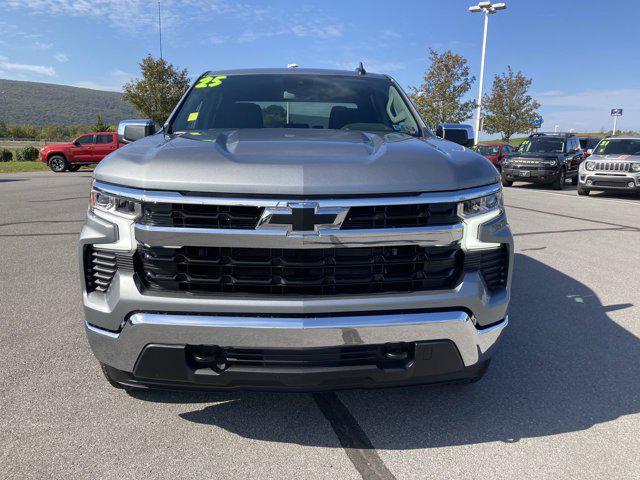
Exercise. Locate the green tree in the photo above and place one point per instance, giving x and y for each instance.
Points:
(439, 98)
(3, 129)
(159, 89)
(99, 126)
(275, 116)
(509, 107)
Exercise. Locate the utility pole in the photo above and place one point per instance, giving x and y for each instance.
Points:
(488, 9)
(160, 28)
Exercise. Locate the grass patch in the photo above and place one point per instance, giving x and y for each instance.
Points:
(10, 167)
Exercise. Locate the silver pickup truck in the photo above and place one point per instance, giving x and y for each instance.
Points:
(294, 229)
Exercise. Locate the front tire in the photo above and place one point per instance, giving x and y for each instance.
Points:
(558, 184)
(505, 182)
(74, 168)
(58, 164)
(583, 191)
(574, 180)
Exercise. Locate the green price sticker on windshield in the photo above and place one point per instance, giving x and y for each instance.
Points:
(205, 82)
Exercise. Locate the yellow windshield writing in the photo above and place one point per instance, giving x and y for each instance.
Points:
(210, 81)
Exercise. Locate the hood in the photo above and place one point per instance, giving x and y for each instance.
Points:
(534, 156)
(615, 158)
(295, 162)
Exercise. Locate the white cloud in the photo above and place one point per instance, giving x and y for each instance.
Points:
(316, 30)
(112, 82)
(8, 67)
(136, 15)
(61, 57)
(389, 34)
(589, 110)
(216, 39)
(42, 46)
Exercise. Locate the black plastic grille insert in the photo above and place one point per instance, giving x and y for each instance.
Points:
(239, 217)
(328, 271)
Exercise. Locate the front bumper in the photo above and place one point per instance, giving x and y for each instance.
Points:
(629, 182)
(533, 175)
(125, 321)
(153, 350)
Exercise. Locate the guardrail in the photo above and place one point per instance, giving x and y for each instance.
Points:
(26, 142)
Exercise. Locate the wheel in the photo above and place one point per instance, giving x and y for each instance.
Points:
(558, 184)
(58, 163)
(574, 180)
(505, 182)
(107, 375)
(74, 168)
(583, 191)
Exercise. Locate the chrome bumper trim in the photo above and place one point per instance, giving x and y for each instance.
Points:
(270, 238)
(121, 350)
(159, 196)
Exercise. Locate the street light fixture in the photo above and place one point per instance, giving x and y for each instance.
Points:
(487, 8)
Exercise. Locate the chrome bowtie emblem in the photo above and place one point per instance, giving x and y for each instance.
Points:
(302, 218)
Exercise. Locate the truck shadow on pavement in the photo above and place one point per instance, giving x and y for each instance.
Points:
(563, 366)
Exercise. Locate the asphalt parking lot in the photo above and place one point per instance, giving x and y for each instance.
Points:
(561, 400)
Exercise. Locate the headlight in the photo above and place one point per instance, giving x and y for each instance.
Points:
(590, 165)
(481, 205)
(106, 202)
(635, 167)
(43, 149)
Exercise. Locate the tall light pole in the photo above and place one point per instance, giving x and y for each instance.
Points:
(487, 8)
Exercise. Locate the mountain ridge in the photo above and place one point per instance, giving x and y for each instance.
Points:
(23, 102)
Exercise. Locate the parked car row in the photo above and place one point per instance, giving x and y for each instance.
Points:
(553, 158)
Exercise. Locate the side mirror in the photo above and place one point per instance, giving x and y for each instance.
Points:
(456, 135)
(76, 143)
(132, 130)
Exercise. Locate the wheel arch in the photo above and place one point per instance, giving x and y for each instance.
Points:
(56, 153)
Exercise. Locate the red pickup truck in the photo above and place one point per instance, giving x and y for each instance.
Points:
(85, 150)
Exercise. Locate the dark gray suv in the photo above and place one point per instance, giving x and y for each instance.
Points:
(294, 229)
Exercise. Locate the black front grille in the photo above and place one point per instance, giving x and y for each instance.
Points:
(329, 271)
(200, 216)
(609, 183)
(398, 216)
(237, 217)
(493, 265)
(347, 356)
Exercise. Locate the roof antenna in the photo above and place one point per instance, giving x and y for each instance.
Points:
(360, 70)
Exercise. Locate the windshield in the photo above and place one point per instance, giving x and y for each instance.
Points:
(590, 142)
(542, 145)
(619, 147)
(331, 102)
(488, 149)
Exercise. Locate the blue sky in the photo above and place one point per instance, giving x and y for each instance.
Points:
(582, 55)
